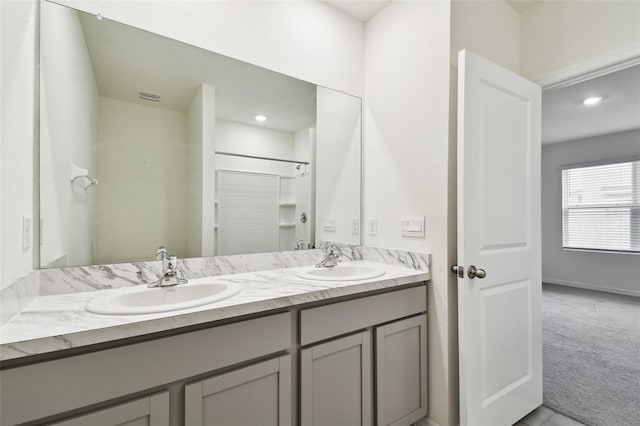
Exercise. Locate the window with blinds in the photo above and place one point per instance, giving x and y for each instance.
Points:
(601, 207)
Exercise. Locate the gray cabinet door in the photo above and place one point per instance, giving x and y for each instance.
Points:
(150, 411)
(256, 395)
(401, 371)
(335, 382)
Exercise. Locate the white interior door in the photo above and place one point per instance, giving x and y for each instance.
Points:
(500, 314)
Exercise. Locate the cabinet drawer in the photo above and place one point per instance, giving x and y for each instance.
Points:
(328, 321)
(27, 391)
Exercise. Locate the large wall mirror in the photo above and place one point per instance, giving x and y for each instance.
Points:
(147, 141)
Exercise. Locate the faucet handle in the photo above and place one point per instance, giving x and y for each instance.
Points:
(333, 249)
(172, 265)
(161, 253)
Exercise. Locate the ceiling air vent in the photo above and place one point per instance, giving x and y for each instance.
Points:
(148, 96)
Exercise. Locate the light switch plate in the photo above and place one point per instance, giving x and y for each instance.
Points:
(412, 226)
(372, 226)
(329, 224)
(355, 226)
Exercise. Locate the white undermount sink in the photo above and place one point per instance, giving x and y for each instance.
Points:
(197, 292)
(342, 272)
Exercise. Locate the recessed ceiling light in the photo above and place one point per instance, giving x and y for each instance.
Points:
(261, 118)
(592, 100)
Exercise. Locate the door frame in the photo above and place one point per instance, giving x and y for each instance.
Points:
(586, 70)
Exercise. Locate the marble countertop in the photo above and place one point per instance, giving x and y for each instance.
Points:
(58, 322)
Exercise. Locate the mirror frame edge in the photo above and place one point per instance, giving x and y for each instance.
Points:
(35, 223)
(36, 162)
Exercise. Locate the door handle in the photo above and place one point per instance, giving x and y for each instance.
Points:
(474, 272)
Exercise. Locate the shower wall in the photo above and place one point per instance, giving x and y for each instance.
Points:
(304, 183)
(240, 138)
(293, 184)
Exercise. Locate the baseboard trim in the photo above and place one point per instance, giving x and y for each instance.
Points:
(622, 291)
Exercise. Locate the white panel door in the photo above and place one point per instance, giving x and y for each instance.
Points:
(500, 324)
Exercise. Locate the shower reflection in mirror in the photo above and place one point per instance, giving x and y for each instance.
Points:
(148, 115)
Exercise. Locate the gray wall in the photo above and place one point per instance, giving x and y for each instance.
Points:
(614, 272)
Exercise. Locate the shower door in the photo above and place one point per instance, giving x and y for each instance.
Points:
(247, 212)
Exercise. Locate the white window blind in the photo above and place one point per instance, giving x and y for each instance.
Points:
(601, 207)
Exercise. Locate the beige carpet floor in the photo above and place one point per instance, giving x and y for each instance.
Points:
(591, 362)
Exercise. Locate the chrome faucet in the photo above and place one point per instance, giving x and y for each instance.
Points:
(170, 275)
(300, 245)
(331, 256)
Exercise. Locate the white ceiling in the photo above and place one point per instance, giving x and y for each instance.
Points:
(126, 59)
(565, 118)
(362, 10)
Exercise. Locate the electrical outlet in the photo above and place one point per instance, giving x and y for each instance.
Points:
(355, 226)
(372, 226)
(27, 234)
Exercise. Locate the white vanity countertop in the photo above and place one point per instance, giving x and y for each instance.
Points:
(52, 323)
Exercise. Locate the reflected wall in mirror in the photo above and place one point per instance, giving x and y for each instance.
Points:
(146, 141)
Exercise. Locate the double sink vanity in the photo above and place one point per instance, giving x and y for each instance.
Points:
(279, 342)
(216, 158)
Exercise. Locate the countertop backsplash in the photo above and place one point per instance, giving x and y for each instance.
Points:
(18, 294)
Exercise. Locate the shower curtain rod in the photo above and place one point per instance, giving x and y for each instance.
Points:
(306, 163)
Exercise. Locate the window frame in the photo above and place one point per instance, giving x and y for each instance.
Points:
(634, 207)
